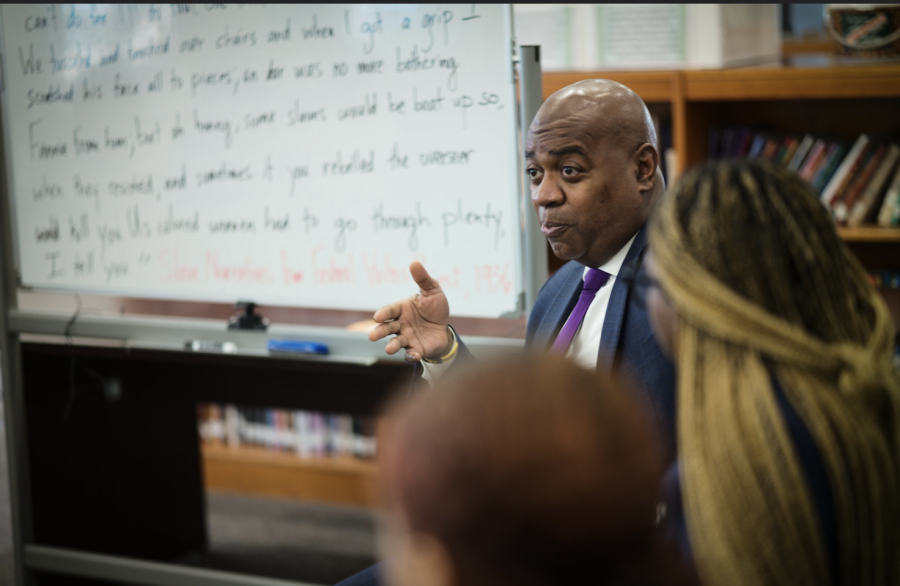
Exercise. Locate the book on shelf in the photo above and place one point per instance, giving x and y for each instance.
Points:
(846, 201)
(308, 434)
(814, 159)
(845, 170)
(713, 143)
(770, 150)
(790, 146)
(853, 176)
(756, 146)
(866, 206)
(829, 164)
(743, 143)
(801, 152)
(889, 215)
(726, 144)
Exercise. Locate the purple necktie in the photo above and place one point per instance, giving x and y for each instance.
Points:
(593, 280)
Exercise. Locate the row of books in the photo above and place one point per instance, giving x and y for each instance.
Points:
(889, 279)
(897, 351)
(309, 434)
(858, 181)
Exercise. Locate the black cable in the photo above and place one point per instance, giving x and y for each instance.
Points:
(67, 333)
(73, 365)
(72, 390)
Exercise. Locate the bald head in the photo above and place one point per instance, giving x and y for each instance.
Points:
(608, 108)
(593, 158)
(530, 471)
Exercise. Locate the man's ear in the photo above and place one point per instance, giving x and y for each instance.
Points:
(647, 160)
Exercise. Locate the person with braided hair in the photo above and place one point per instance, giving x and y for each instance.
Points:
(788, 405)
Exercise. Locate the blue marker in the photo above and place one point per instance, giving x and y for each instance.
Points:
(296, 347)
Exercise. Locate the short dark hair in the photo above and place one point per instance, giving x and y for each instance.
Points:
(530, 471)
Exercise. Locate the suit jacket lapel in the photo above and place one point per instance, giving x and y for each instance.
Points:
(615, 311)
(559, 308)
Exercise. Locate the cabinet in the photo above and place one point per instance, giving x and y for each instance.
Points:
(122, 478)
(334, 479)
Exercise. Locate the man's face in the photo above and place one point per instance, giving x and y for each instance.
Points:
(584, 188)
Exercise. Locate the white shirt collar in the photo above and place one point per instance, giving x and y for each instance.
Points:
(614, 265)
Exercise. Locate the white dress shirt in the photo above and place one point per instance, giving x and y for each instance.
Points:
(585, 346)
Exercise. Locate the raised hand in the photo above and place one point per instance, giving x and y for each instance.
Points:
(419, 322)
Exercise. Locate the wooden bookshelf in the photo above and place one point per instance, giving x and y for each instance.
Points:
(824, 94)
(871, 92)
(870, 234)
(652, 86)
(252, 470)
(793, 83)
(813, 92)
(791, 47)
(773, 82)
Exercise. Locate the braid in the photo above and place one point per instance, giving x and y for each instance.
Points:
(763, 286)
(757, 228)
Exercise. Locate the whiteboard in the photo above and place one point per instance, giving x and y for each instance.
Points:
(297, 155)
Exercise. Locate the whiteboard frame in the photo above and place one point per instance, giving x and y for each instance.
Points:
(11, 361)
(7, 186)
(522, 265)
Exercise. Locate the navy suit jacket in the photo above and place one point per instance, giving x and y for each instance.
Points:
(626, 343)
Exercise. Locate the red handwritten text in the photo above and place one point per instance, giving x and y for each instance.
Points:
(492, 278)
(330, 272)
(380, 270)
(290, 274)
(245, 272)
(168, 257)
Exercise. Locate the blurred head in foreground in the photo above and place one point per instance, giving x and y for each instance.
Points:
(528, 471)
(755, 286)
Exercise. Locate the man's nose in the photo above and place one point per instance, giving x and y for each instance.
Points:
(548, 193)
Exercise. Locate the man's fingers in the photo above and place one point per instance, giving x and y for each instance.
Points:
(393, 346)
(396, 344)
(422, 278)
(382, 330)
(387, 312)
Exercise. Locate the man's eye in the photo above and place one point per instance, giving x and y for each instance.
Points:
(533, 173)
(569, 171)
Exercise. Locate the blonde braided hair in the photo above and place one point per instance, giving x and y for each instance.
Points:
(763, 285)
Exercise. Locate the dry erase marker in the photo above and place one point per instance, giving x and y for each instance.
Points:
(207, 346)
(297, 347)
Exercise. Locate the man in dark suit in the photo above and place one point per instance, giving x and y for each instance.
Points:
(593, 161)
